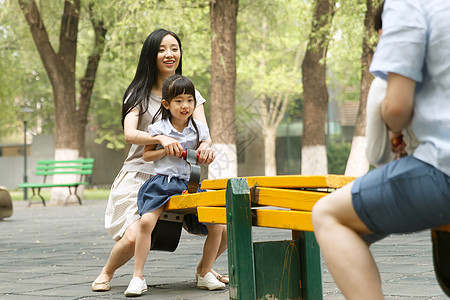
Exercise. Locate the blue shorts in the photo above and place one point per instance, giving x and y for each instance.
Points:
(404, 196)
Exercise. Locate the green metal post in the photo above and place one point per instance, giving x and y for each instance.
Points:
(310, 263)
(278, 270)
(240, 245)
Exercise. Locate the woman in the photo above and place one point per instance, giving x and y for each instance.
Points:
(161, 57)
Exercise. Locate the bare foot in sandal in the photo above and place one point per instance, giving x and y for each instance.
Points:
(222, 278)
(101, 283)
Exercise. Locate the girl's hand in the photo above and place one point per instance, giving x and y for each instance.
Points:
(206, 154)
(172, 146)
(398, 145)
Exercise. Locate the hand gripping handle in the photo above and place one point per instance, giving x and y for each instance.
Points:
(191, 157)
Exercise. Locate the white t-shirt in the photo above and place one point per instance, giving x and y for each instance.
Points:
(378, 144)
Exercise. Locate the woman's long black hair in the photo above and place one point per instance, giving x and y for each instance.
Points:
(173, 86)
(140, 88)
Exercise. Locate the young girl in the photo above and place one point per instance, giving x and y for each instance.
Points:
(172, 177)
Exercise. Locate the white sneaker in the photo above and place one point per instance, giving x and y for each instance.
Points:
(136, 287)
(209, 282)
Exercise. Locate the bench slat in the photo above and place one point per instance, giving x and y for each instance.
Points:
(52, 167)
(74, 172)
(293, 199)
(215, 215)
(211, 198)
(81, 160)
(274, 218)
(285, 181)
(47, 185)
(284, 219)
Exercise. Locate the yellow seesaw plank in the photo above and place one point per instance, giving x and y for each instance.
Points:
(216, 215)
(283, 219)
(210, 198)
(285, 181)
(293, 199)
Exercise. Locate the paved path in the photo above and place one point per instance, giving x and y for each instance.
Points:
(56, 252)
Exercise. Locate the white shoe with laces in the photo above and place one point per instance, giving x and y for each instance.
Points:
(209, 282)
(136, 287)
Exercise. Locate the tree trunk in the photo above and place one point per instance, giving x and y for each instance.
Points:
(272, 109)
(357, 163)
(270, 166)
(223, 15)
(88, 80)
(70, 122)
(315, 94)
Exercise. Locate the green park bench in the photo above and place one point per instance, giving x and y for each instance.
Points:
(265, 270)
(79, 167)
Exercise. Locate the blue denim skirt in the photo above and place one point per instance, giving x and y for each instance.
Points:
(404, 196)
(155, 193)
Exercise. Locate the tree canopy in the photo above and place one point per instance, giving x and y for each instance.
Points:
(270, 35)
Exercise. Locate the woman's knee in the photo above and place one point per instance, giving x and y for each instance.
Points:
(322, 213)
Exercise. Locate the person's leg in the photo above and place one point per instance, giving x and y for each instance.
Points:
(338, 230)
(122, 252)
(143, 240)
(222, 247)
(121, 221)
(211, 250)
(215, 245)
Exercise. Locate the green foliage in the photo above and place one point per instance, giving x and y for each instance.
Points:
(344, 52)
(337, 154)
(22, 78)
(267, 45)
(125, 39)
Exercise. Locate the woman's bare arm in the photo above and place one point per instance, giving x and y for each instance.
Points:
(199, 114)
(150, 154)
(397, 107)
(138, 137)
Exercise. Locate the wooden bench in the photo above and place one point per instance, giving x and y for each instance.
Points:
(276, 269)
(269, 270)
(79, 167)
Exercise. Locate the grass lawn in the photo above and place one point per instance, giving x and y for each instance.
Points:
(89, 194)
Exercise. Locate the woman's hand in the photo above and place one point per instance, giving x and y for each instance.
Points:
(398, 145)
(206, 154)
(172, 146)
